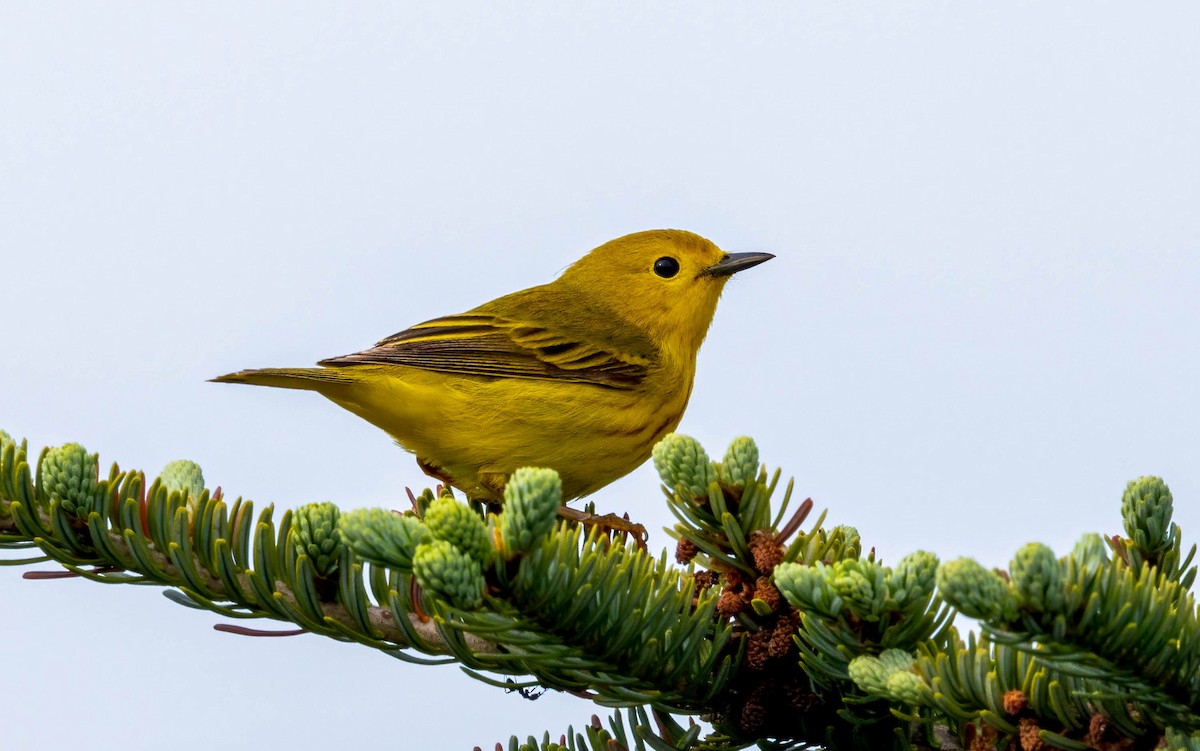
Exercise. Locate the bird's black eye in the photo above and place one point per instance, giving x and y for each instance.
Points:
(666, 267)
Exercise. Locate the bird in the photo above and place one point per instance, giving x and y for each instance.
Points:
(583, 375)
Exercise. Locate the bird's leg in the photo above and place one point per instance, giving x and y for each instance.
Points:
(607, 523)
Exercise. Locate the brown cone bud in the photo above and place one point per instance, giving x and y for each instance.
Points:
(685, 551)
(764, 590)
(1028, 732)
(1015, 701)
(730, 604)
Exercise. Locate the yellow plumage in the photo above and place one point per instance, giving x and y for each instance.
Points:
(583, 375)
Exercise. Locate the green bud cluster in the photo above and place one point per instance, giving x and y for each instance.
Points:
(869, 674)
(906, 687)
(740, 465)
(808, 588)
(184, 476)
(683, 465)
(1181, 740)
(5, 439)
(896, 659)
(531, 500)
(865, 588)
(450, 563)
(454, 522)
(383, 537)
(974, 590)
(445, 570)
(1037, 578)
(1090, 552)
(315, 531)
(445, 551)
(1146, 509)
(913, 578)
(850, 542)
(69, 475)
(889, 676)
(862, 585)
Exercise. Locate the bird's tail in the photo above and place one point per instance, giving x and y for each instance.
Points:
(308, 379)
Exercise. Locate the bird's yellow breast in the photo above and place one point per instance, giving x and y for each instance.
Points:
(477, 431)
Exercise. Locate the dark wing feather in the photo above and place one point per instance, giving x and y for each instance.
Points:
(492, 346)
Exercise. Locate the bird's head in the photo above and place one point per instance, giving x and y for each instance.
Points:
(666, 283)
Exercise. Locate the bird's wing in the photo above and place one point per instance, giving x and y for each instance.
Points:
(493, 345)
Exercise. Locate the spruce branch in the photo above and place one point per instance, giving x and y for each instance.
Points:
(778, 630)
(201, 546)
(306, 571)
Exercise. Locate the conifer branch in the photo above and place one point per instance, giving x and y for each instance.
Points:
(780, 631)
(118, 547)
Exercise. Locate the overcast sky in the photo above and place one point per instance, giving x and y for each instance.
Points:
(983, 319)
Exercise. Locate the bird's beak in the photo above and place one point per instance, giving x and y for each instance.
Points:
(735, 262)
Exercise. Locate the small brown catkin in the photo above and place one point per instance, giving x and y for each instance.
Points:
(685, 551)
(1015, 701)
(1027, 730)
(764, 590)
(766, 551)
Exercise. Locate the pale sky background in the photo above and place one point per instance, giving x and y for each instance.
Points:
(983, 320)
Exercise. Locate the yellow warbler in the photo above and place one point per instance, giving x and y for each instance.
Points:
(583, 375)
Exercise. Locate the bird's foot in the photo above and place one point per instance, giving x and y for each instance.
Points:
(608, 523)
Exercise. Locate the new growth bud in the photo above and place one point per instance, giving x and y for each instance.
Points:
(976, 591)
(683, 465)
(184, 476)
(913, 578)
(69, 475)
(1146, 508)
(808, 588)
(1037, 578)
(5, 440)
(458, 525)
(862, 585)
(531, 500)
(1090, 552)
(448, 572)
(383, 537)
(850, 542)
(740, 465)
(315, 531)
(889, 676)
